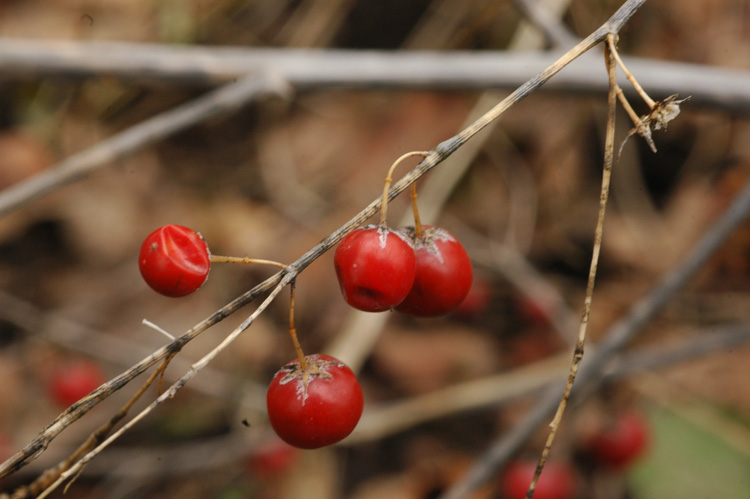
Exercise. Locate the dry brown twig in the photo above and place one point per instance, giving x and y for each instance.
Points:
(383, 420)
(76, 468)
(50, 476)
(286, 276)
(661, 113)
(609, 145)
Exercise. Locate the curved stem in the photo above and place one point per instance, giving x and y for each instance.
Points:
(389, 179)
(246, 260)
(612, 44)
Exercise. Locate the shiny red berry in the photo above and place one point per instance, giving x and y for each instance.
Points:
(174, 260)
(375, 267)
(620, 443)
(72, 381)
(314, 407)
(443, 276)
(557, 481)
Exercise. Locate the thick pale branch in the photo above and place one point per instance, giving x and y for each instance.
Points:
(727, 88)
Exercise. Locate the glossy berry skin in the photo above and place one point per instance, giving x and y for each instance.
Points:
(315, 407)
(443, 276)
(375, 267)
(73, 381)
(619, 444)
(557, 481)
(174, 260)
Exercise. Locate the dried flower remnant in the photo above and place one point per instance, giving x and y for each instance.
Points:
(661, 114)
(665, 111)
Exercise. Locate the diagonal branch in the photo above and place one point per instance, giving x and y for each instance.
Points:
(219, 102)
(75, 469)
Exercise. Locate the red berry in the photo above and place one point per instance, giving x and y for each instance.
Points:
(273, 458)
(174, 260)
(536, 311)
(557, 481)
(477, 301)
(621, 443)
(6, 446)
(443, 277)
(317, 406)
(73, 381)
(375, 267)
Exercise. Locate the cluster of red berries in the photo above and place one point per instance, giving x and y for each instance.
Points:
(421, 271)
(316, 400)
(313, 401)
(424, 271)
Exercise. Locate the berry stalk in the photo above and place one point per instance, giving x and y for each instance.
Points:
(245, 260)
(389, 179)
(293, 330)
(415, 209)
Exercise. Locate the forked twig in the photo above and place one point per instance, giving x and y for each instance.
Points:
(660, 114)
(32, 450)
(78, 466)
(53, 474)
